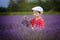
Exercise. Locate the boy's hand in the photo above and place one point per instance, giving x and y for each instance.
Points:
(32, 28)
(25, 17)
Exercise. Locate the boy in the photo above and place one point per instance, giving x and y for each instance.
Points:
(37, 21)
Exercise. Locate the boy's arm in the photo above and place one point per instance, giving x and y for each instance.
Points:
(42, 23)
(25, 21)
(32, 23)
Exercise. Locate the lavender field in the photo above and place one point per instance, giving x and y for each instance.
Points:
(12, 29)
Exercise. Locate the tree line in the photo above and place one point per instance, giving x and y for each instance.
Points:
(22, 5)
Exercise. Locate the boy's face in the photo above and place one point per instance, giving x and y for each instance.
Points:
(36, 14)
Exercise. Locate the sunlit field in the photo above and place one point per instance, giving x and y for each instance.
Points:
(26, 13)
(11, 28)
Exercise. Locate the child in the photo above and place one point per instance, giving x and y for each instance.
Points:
(37, 21)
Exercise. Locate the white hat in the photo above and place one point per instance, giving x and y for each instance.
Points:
(38, 8)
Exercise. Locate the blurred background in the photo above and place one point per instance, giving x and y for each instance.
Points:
(26, 5)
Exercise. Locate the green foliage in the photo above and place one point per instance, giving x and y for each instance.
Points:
(23, 5)
(56, 5)
(25, 13)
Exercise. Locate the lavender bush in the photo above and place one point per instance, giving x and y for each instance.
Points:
(11, 28)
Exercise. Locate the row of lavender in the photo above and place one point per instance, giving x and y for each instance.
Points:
(12, 29)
